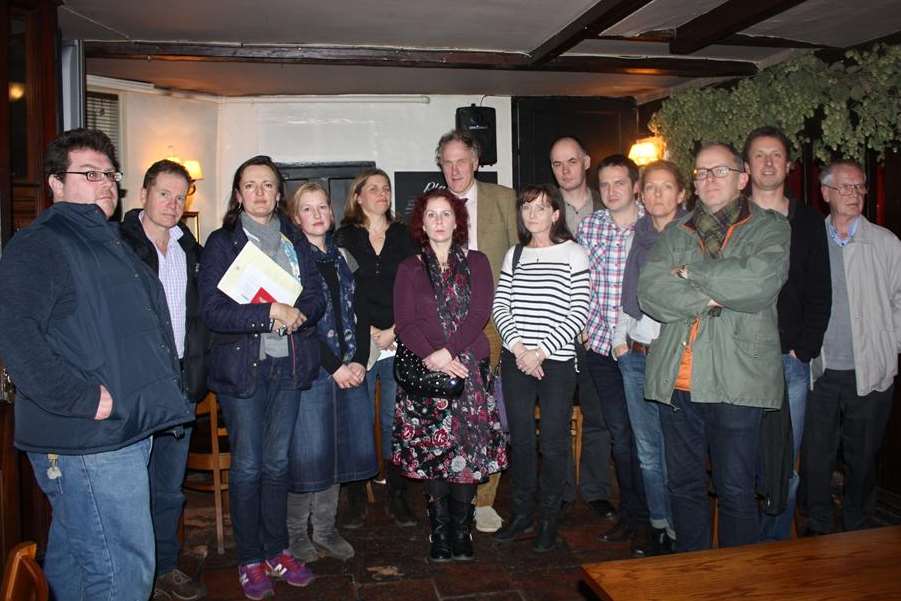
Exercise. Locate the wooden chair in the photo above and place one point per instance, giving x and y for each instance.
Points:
(23, 579)
(575, 426)
(208, 455)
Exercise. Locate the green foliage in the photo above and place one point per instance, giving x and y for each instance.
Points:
(846, 108)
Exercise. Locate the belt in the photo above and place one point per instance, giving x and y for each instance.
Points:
(637, 347)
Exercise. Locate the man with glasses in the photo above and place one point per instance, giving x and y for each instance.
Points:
(168, 247)
(86, 336)
(712, 280)
(854, 375)
(804, 301)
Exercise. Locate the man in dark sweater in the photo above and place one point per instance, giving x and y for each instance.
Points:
(170, 250)
(805, 300)
(86, 336)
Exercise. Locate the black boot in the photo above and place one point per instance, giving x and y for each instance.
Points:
(355, 516)
(461, 513)
(547, 534)
(397, 506)
(440, 537)
(519, 527)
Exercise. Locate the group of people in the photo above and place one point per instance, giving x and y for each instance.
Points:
(688, 336)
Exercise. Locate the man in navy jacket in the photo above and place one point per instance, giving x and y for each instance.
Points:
(86, 336)
(170, 250)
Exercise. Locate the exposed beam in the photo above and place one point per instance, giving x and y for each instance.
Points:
(724, 20)
(666, 36)
(403, 57)
(603, 15)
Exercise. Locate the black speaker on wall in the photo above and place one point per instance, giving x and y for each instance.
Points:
(480, 122)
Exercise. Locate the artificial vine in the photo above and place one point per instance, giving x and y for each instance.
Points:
(845, 108)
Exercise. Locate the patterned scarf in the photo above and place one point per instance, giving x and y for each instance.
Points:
(713, 227)
(327, 325)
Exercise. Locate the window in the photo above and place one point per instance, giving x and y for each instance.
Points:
(102, 112)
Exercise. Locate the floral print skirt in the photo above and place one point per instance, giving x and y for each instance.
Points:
(459, 440)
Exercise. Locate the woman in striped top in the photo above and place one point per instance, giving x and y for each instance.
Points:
(540, 306)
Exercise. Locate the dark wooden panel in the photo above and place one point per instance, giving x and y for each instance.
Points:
(605, 126)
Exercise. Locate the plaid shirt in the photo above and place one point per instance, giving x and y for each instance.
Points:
(607, 245)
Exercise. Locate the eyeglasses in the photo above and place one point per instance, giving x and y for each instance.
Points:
(719, 172)
(97, 176)
(849, 189)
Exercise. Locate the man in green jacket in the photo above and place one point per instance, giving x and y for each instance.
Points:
(712, 281)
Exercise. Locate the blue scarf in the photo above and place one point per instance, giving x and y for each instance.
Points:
(326, 326)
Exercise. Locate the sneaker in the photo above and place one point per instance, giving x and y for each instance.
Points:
(179, 586)
(487, 519)
(332, 544)
(254, 581)
(285, 567)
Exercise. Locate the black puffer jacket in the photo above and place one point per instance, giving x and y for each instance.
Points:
(196, 334)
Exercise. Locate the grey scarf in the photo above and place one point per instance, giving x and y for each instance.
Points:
(645, 237)
(268, 238)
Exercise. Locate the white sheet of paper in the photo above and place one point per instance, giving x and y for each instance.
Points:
(251, 271)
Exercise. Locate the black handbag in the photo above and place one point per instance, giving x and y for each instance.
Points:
(416, 379)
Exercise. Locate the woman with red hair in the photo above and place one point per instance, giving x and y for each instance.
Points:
(442, 301)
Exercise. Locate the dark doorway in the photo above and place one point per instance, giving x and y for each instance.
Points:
(334, 177)
(604, 125)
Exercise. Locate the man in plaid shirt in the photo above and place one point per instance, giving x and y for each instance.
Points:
(607, 235)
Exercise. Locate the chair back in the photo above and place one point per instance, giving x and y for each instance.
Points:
(23, 579)
(212, 458)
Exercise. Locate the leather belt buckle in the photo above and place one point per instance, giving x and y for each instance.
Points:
(637, 347)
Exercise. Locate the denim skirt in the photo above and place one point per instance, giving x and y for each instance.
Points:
(333, 438)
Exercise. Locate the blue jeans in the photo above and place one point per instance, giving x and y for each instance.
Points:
(167, 474)
(554, 394)
(100, 544)
(259, 434)
(644, 416)
(383, 370)
(612, 398)
(333, 439)
(797, 383)
(732, 434)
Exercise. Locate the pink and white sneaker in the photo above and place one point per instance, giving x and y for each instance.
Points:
(254, 581)
(285, 566)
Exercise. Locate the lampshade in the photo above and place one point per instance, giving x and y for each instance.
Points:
(646, 150)
(194, 169)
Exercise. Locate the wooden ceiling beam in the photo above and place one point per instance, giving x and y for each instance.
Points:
(751, 41)
(603, 15)
(725, 20)
(402, 57)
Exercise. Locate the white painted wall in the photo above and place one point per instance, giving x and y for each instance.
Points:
(399, 133)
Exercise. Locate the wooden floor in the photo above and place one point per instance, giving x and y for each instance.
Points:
(390, 562)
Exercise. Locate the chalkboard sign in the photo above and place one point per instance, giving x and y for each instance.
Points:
(410, 184)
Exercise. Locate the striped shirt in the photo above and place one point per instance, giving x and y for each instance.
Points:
(607, 246)
(545, 303)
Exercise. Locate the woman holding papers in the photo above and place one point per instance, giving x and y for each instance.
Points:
(333, 439)
(442, 301)
(378, 244)
(263, 353)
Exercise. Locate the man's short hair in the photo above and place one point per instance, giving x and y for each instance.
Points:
(736, 157)
(575, 139)
(56, 158)
(620, 160)
(827, 172)
(767, 131)
(164, 166)
(457, 135)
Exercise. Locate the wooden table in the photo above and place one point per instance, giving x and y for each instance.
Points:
(852, 566)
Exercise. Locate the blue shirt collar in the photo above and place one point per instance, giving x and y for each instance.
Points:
(836, 237)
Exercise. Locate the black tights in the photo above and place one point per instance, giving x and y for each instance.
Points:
(464, 493)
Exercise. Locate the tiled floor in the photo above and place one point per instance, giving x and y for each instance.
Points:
(390, 564)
